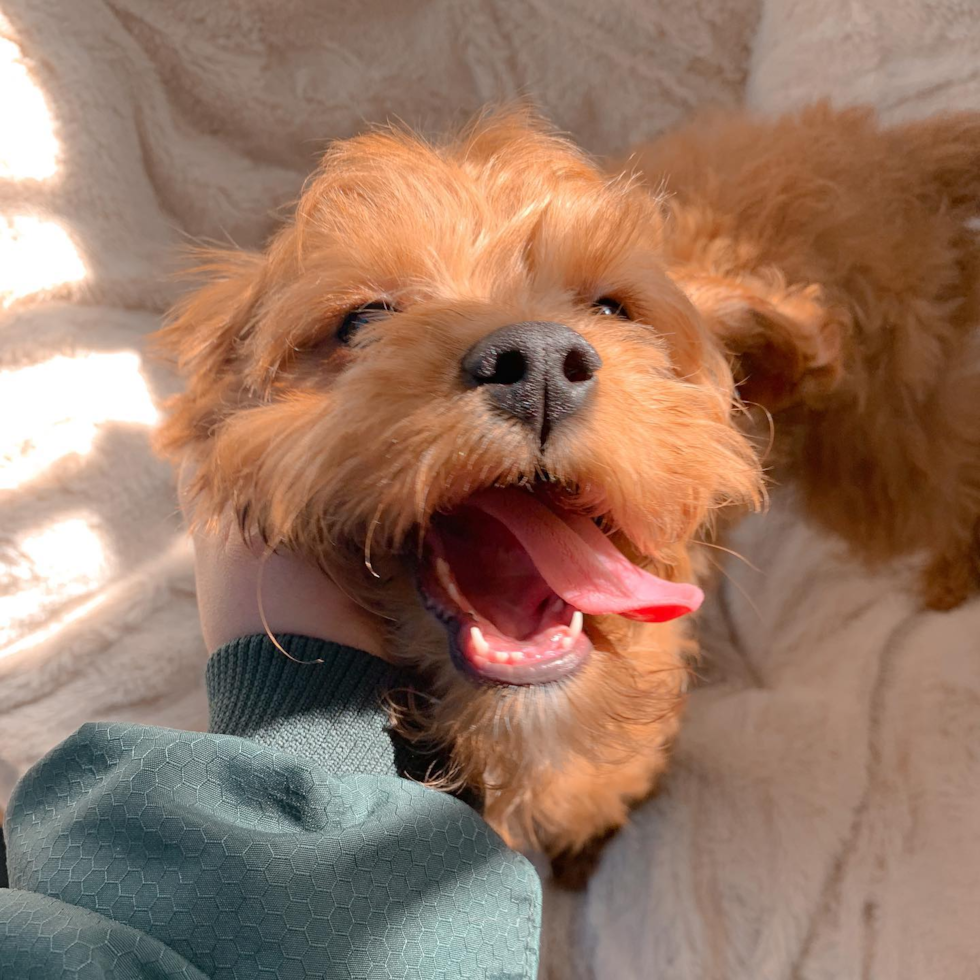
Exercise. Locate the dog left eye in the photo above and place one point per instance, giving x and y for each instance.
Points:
(607, 306)
(361, 316)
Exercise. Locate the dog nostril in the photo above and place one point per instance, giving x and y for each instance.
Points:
(575, 366)
(509, 369)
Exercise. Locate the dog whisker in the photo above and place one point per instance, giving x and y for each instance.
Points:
(728, 551)
(769, 421)
(375, 521)
(724, 573)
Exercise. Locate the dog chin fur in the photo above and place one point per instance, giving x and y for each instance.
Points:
(834, 259)
(344, 453)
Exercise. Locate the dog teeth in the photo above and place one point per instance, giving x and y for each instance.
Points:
(445, 575)
(566, 642)
(517, 656)
(575, 627)
(479, 641)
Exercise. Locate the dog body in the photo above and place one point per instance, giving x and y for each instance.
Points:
(442, 377)
(834, 259)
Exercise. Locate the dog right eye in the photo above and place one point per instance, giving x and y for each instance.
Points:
(361, 316)
(607, 306)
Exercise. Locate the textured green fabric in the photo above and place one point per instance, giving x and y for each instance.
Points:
(256, 692)
(138, 852)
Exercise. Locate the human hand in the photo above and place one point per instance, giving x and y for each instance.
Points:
(296, 596)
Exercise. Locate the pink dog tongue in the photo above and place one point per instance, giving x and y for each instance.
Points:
(582, 565)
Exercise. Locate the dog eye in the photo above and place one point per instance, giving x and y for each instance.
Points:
(361, 316)
(607, 306)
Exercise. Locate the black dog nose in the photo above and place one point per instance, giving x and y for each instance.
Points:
(539, 372)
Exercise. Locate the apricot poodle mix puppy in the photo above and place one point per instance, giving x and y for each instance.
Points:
(459, 380)
(836, 260)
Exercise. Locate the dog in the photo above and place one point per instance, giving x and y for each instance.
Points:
(833, 257)
(459, 380)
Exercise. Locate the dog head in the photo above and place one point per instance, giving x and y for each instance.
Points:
(459, 380)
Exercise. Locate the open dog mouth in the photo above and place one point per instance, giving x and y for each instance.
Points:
(512, 576)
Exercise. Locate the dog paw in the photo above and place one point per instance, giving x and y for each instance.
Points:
(949, 580)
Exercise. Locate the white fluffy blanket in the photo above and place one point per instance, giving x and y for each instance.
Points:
(821, 819)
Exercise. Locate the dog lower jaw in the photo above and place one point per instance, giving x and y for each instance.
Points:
(557, 654)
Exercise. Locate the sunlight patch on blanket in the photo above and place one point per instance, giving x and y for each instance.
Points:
(55, 409)
(56, 626)
(42, 569)
(36, 256)
(29, 149)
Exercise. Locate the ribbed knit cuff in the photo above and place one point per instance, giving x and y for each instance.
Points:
(330, 712)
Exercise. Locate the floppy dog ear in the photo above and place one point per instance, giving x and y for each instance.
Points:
(785, 344)
(202, 328)
(201, 336)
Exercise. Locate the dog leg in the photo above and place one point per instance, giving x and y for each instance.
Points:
(953, 575)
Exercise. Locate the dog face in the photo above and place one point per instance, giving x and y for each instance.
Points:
(459, 380)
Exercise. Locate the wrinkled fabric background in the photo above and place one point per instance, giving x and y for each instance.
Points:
(821, 819)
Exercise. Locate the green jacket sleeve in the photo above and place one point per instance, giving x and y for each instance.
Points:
(281, 844)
